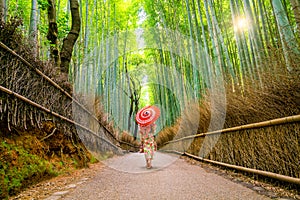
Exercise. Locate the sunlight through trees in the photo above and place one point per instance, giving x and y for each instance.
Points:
(130, 53)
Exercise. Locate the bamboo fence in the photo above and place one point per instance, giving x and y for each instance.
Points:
(284, 120)
(39, 72)
(29, 97)
(3, 89)
(270, 148)
(240, 168)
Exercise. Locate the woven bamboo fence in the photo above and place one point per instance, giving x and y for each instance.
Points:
(29, 98)
(270, 148)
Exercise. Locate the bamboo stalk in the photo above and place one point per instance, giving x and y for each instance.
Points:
(24, 117)
(15, 109)
(5, 106)
(0, 105)
(19, 115)
(36, 118)
(31, 118)
(8, 121)
(52, 113)
(273, 122)
(49, 135)
(12, 111)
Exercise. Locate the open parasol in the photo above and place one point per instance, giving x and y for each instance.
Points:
(147, 115)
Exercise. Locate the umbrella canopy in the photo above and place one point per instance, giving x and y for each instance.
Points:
(147, 115)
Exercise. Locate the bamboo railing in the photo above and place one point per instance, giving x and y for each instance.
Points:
(240, 168)
(279, 121)
(22, 98)
(284, 120)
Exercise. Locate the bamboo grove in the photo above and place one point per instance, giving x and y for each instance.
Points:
(131, 52)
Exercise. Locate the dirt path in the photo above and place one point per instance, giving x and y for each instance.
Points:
(126, 177)
(171, 178)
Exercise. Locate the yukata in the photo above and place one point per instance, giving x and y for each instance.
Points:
(148, 141)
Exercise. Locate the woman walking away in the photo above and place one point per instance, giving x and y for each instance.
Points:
(146, 118)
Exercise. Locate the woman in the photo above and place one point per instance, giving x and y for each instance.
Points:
(146, 118)
(148, 143)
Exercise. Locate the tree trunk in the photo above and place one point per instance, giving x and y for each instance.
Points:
(193, 50)
(296, 8)
(53, 32)
(2, 10)
(33, 33)
(69, 41)
(222, 46)
(86, 31)
(136, 109)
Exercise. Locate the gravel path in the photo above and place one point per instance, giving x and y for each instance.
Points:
(171, 178)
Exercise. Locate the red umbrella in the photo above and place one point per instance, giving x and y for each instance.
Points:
(147, 115)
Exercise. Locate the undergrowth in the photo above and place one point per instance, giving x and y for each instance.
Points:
(18, 167)
(30, 156)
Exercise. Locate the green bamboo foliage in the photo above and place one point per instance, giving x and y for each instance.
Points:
(207, 64)
(242, 63)
(192, 44)
(216, 56)
(254, 39)
(228, 68)
(265, 34)
(193, 50)
(288, 39)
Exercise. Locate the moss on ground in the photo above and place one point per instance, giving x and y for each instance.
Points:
(27, 158)
(18, 168)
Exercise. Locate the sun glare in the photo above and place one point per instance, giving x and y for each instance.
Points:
(241, 24)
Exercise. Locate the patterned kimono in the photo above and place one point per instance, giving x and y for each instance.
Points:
(147, 139)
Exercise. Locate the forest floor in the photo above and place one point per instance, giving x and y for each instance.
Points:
(182, 178)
